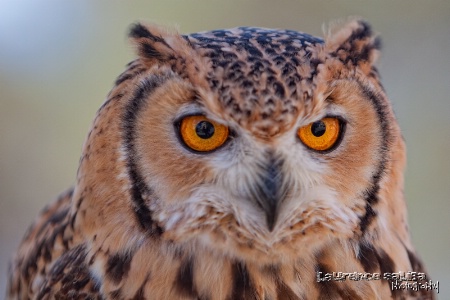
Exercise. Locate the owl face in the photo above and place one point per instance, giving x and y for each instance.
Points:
(257, 143)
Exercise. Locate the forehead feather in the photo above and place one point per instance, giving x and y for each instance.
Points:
(260, 76)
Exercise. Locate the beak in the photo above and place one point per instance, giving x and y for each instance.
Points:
(268, 191)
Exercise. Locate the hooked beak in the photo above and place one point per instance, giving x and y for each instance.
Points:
(268, 193)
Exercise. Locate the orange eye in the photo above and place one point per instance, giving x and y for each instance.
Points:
(202, 134)
(320, 135)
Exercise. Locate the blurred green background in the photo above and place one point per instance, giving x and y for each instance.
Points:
(58, 60)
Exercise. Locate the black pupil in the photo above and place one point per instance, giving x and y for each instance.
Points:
(204, 129)
(318, 128)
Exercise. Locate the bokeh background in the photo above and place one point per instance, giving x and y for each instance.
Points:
(58, 60)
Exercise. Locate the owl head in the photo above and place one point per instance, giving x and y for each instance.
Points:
(255, 143)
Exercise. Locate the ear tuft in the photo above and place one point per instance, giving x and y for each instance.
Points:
(153, 43)
(139, 31)
(353, 41)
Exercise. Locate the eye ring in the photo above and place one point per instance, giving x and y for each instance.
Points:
(201, 134)
(324, 135)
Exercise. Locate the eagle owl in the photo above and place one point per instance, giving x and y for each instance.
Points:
(246, 163)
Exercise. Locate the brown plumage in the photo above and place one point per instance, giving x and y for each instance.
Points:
(308, 179)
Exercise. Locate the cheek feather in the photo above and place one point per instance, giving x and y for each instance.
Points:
(169, 168)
